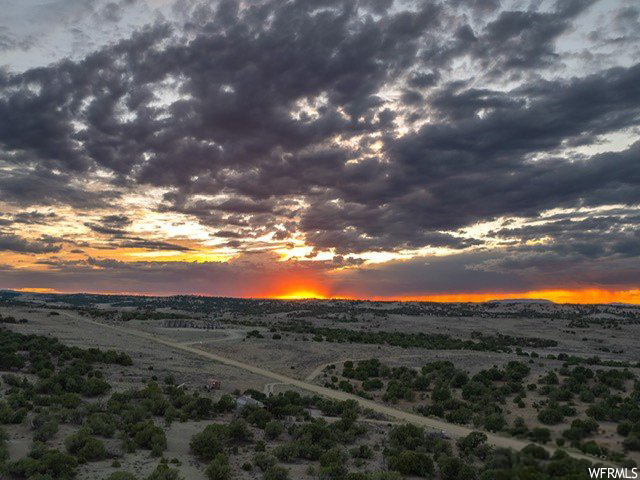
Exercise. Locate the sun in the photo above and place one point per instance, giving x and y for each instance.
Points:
(300, 295)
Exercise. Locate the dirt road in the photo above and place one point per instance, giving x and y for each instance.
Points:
(228, 335)
(452, 430)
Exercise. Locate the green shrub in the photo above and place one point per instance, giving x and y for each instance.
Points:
(219, 468)
(407, 437)
(163, 472)
(536, 451)
(148, 436)
(264, 461)
(332, 464)
(452, 468)
(238, 431)
(276, 473)
(85, 447)
(494, 422)
(225, 404)
(411, 463)
(55, 464)
(94, 387)
(632, 442)
(286, 452)
(273, 429)
(45, 426)
(550, 416)
(472, 442)
(10, 415)
(121, 476)
(540, 434)
(210, 442)
(624, 428)
(362, 451)
(102, 424)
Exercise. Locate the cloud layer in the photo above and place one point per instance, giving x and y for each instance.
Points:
(502, 140)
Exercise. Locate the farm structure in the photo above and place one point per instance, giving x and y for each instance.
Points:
(212, 384)
(246, 400)
(190, 323)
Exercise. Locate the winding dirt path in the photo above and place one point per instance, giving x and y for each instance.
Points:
(230, 334)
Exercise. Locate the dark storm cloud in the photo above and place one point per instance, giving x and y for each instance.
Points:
(243, 76)
(115, 228)
(569, 228)
(14, 243)
(522, 40)
(564, 268)
(137, 242)
(446, 197)
(580, 239)
(59, 263)
(288, 114)
(34, 217)
(495, 271)
(424, 275)
(41, 186)
(326, 231)
(248, 275)
(110, 225)
(228, 234)
(473, 168)
(116, 220)
(466, 272)
(489, 271)
(624, 28)
(106, 230)
(29, 218)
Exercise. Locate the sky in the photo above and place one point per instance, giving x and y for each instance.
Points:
(429, 150)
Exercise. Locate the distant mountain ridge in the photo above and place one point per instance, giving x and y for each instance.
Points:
(522, 300)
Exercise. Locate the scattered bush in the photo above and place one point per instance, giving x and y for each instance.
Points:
(210, 442)
(219, 468)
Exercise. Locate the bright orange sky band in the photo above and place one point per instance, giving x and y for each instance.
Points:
(558, 296)
(592, 295)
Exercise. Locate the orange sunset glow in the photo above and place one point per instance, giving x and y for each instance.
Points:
(295, 287)
(299, 295)
(556, 296)
(578, 296)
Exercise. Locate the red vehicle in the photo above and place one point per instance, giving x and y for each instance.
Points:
(213, 384)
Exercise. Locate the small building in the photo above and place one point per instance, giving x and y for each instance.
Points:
(203, 324)
(212, 384)
(244, 400)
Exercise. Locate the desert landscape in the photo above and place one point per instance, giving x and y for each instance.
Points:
(559, 382)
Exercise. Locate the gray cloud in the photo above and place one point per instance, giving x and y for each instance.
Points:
(40, 186)
(115, 227)
(14, 243)
(244, 276)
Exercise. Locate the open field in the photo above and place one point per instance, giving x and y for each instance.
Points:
(274, 352)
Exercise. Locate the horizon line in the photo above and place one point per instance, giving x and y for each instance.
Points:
(480, 297)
